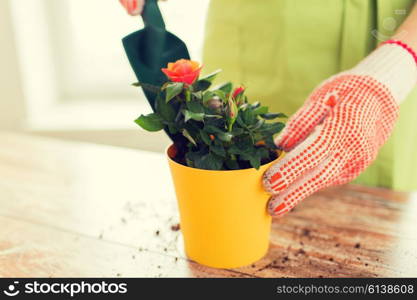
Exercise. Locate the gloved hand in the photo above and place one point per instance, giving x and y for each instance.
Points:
(338, 131)
(133, 7)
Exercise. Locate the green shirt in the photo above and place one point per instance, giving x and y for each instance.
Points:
(281, 49)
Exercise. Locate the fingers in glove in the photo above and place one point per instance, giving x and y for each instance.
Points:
(308, 155)
(133, 7)
(315, 179)
(303, 122)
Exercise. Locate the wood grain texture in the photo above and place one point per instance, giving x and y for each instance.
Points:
(77, 209)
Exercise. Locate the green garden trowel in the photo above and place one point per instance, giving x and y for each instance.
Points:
(152, 48)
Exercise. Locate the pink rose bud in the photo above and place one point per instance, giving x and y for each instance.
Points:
(214, 103)
(232, 109)
(238, 91)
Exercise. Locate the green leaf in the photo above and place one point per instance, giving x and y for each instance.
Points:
(272, 128)
(240, 121)
(172, 90)
(237, 131)
(195, 107)
(262, 152)
(148, 87)
(165, 85)
(245, 144)
(271, 116)
(151, 122)
(224, 136)
(255, 161)
(208, 96)
(201, 85)
(209, 162)
(234, 150)
(269, 141)
(212, 129)
(187, 135)
(248, 117)
(198, 95)
(165, 110)
(205, 82)
(218, 149)
(205, 137)
(225, 87)
(192, 115)
(210, 77)
(214, 116)
(255, 104)
(232, 164)
(258, 124)
(221, 94)
(172, 129)
(260, 110)
(191, 157)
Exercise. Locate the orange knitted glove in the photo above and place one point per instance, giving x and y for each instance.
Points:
(338, 131)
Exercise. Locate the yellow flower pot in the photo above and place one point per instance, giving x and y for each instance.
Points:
(223, 214)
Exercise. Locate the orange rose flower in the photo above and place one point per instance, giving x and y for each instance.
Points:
(183, 70)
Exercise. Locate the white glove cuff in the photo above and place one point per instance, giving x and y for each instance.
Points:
(391, 65)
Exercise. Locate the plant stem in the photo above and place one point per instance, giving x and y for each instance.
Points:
(187, 95)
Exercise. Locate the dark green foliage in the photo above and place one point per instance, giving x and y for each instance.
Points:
(214, 131)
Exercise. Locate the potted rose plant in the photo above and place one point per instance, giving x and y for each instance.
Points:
(221, 146)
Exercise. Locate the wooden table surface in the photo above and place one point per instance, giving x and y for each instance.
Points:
(80, 210)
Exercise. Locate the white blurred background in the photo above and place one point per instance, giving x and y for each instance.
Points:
(64, 72)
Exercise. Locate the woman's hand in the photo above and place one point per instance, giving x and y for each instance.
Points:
(340, 128)
(133, 7)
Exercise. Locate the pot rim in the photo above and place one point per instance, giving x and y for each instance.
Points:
(280, 156)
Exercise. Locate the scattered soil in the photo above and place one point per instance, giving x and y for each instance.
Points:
(175, 227)
(301, 252)
(306, 232)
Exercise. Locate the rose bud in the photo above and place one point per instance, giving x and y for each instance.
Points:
(215, 103)
(183, 70)
(232, 111)
(238, 91)
(238, 95)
